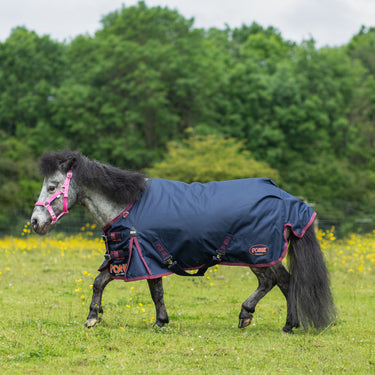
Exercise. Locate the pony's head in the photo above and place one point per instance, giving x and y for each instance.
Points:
(59, 192)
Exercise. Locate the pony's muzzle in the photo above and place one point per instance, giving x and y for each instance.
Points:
(39, 224)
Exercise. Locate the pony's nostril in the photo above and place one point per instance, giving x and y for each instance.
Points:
(34, 224)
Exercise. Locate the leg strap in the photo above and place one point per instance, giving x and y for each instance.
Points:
(178, 270)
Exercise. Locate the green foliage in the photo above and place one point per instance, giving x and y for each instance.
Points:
(147, 75)
(209, 158)
(141, 24)
(30, 67)
(141, 81)
(18, 181)
(362, 47)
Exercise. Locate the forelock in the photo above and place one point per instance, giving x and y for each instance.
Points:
(50, 161)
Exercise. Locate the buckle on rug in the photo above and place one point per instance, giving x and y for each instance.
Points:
(169, 261)
(219, 255)
(116, 255)
(112, 237)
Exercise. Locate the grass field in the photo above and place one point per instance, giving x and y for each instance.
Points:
(45, 291)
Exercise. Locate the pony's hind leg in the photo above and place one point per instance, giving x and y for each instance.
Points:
(157, 294)
(266, 281)
(97, 291)
(283, 282)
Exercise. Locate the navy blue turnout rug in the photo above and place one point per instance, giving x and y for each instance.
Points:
(175, 227)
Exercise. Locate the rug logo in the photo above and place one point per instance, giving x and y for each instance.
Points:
(117, 269)
(259, 250)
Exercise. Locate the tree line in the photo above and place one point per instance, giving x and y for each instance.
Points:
(149, 87)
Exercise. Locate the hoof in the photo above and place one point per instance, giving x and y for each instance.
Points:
(289, 331)
(158, 325)
(244, 322)
(91, 322)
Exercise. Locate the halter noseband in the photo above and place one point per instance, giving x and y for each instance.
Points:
(64, 191)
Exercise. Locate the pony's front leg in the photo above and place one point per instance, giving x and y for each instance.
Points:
(97, 291)
(157, 294)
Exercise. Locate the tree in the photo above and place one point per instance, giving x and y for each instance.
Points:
(139, 83)
(30, 66)
(210, 157)
(362, 47)
(19, 182)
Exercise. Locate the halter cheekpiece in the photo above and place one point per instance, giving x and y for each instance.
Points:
(64, 191)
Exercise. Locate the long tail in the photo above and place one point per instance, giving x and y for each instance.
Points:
(310, 297)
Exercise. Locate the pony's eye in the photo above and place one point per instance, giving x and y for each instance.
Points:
(51, 189)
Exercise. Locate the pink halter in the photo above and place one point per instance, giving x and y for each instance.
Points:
(64, 191)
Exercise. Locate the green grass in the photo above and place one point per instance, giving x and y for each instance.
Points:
(44, 298)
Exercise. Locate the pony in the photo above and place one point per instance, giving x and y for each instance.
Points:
(237, 223)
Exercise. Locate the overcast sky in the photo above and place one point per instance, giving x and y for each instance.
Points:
(329, 22)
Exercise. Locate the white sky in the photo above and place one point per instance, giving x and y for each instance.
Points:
(329, 22)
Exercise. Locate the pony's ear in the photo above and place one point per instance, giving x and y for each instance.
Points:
(66, 165)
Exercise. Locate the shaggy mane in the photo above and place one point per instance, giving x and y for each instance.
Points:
(121, 185)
